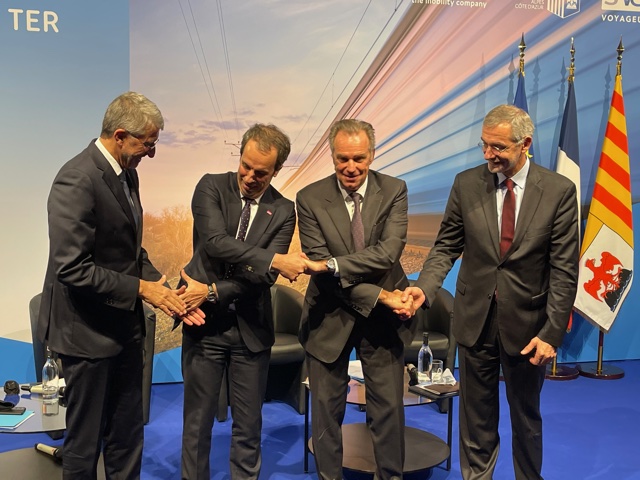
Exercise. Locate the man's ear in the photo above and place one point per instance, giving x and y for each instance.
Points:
(120, 134)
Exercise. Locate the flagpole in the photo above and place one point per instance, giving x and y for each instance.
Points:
(555, 371)
(598, 370)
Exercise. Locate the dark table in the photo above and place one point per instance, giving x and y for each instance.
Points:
(423, 450)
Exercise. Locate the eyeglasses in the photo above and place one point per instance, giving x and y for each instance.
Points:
(494, 148)
(147, 145)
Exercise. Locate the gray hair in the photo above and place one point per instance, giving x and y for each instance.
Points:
(520, 121)
(352, 126)
(267, 137)
(132, 112)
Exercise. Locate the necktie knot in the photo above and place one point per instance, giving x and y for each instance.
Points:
(509, 184)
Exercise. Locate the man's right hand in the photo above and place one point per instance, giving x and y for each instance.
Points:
(290, 265)
(156, 294)
(403, 307)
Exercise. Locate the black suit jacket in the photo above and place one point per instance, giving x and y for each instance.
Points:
(332, 304)
(537, 279)
(216, 207)
(90, 306)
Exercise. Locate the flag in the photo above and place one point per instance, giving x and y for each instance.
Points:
(568, 160)
(520, 101)
(606, 256)
(520, 98)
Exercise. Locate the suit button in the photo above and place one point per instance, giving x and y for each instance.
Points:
(489, 296)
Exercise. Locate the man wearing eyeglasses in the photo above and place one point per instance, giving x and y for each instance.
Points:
(97, 277)
(515, 224)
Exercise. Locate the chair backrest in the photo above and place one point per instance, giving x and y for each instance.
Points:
(286, 304)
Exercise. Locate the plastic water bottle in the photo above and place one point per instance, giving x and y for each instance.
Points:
(425, 359)
(50, 380)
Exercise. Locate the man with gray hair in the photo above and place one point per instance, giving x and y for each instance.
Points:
(97, 276)
(515, 224)
(353, 227)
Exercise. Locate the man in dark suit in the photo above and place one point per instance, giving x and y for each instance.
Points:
(516, 226)
(97, 277)
(348, 302)
(241, 234)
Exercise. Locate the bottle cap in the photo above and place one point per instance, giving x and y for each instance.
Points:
(425, 337)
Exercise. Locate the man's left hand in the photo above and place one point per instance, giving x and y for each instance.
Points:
(195, 293)
(193, 317)
(543, 352)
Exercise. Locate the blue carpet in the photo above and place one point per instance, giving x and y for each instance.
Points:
(590, 432)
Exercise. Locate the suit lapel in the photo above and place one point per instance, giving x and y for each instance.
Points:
(372, 204)
(530, 202)
(263, 218)
(113, 182)
(489, 185)
(234, 206)
(337, 211)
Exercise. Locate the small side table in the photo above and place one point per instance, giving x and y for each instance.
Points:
(357, 446)
(421, 392)
(26, 463)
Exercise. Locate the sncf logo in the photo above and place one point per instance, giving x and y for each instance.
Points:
(624, 5)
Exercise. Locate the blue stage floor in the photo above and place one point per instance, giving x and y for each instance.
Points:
(591, 431)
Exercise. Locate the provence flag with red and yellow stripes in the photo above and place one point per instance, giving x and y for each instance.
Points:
(606, 256)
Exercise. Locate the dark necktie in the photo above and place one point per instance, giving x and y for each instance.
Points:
(244, 218)
(127, 191)
(508, 217)
(357, 228)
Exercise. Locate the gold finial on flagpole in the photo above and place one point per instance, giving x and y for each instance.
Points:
(620, 51)
(572, 64)
(522, 48)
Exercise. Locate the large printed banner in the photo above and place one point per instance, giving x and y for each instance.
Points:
(423, 72)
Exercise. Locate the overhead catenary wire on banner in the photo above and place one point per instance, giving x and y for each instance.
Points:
(346, 84)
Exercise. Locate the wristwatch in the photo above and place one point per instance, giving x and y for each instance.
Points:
(331, 265)
(212, 296)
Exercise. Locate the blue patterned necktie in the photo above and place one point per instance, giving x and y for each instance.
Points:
(244, 218)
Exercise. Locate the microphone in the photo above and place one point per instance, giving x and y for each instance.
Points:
(54, 452)
(413, 374)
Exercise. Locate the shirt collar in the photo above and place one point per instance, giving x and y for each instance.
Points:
(520, 178)
(112, 161)
(347, 196)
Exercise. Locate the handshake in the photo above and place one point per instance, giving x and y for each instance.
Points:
(292, 265)
(403, 303)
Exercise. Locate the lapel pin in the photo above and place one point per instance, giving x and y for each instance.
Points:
(269, 212)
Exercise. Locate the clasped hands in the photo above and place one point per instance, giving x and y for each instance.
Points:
(171, 302)
(403, 303)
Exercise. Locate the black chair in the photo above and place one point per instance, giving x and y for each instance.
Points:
(39, 350)
(287, 367)
(437, 320)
